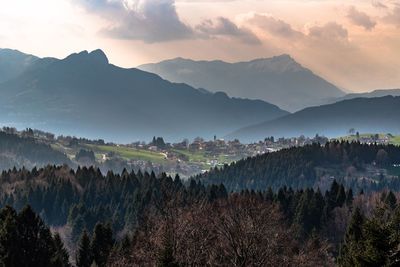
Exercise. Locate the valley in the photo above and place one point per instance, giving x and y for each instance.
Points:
(264, 133)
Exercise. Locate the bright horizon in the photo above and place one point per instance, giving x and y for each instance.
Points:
(353, 44)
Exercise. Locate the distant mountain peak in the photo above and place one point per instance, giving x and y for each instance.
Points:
(80, 95)
(221, 95)
(279, 64)
(279, 79)
(95, 57)
(99, 56)
(284, 57)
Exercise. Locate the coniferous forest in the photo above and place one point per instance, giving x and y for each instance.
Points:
(57, 216)
(313, 166)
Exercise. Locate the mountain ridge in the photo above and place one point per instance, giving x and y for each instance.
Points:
(279, 80)
(83, 94)
(379, 114)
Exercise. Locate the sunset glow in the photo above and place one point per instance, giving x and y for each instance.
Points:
(355, 44)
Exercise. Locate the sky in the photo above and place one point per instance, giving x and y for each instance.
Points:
(354, 44)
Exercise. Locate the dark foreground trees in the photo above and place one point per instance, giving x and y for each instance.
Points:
(26, 241)
(374, 239)
(95, 251)
(166, 222)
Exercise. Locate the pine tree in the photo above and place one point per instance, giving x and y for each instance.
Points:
(351, 251)
(269, 196)
(341, 196)
(349, 197)
(60, 257)
(84, 255)
(26, 241)
(9, 247)
(35, 240)
(102, 244)
(391, 200)
(394, 226)
(377, 243)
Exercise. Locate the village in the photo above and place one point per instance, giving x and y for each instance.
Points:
(187, 158)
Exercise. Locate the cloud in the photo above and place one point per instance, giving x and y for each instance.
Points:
(379, 4)
(225, 27)
(102, 6)
(330, 31)
(393, 17)
(147, 20)
(155, 21)
(360, 18)
(325, 35)
(275, 26)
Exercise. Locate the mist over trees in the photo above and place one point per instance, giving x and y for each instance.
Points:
(16, 151)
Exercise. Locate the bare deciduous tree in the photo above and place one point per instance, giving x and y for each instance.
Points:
(238, 231)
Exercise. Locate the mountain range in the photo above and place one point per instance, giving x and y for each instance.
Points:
(366, 115)
(85, 95)
(279, 80)
(375, 93)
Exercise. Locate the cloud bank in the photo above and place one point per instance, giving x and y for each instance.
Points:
(225, 27)
(154, 21)
(360, 18)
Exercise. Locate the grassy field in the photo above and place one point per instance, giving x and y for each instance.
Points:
(192, 156)
(129, 153)
(199, 157)
(353, 137)
(395, 140)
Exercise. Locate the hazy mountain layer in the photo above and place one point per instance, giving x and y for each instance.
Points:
(279, 80)
(375, 93)
(85, 95)
(375, 115)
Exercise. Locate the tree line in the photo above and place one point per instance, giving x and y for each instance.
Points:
(301, 167)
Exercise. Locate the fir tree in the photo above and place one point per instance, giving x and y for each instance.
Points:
(351, 251)
(84, 255)
(26, 241)
(391, 200)
(377, 243)
(60, 257)
(34, 239)
(9, 247)
(102, 244)
(349, 197)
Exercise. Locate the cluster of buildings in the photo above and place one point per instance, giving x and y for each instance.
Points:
(374, 138)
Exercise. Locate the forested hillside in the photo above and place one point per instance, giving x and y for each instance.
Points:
(137, 219)
(83, 197)
(17, 151)
(359, 166)
(133, 205)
